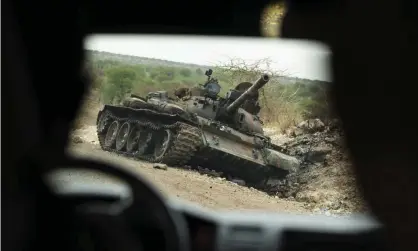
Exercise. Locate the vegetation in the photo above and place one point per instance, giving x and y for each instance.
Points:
(285, 101)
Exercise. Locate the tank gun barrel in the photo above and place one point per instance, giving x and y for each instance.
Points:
(254, 88)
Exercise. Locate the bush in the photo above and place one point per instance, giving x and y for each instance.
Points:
(146, 81)
(140, 71)
(281, 114)
(199, 71)
(170, 85)
(164, 77)
(119, 83)
(106, 64)
(185, 72)
(189, 83)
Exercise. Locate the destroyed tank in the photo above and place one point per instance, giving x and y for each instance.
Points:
(204, 130)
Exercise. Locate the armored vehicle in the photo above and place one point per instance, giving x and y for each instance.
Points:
(200, 128)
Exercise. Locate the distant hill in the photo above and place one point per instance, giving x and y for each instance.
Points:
(285, 102)
(129, 59)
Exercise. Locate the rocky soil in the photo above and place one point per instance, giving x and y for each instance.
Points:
(325, 181)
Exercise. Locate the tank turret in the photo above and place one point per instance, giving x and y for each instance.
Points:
(248, 93)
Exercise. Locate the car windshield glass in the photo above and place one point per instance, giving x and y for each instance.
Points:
(267, 141)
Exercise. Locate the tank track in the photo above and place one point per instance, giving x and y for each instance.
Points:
(185, 139)
(232, 168)
(186, 148)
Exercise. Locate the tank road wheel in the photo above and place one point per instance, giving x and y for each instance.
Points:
(144, 142)
(111, 134)
(137, 141)
(122, 136)
(133, 139)
(162, 143)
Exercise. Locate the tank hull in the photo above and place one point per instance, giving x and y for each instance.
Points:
(158, 136)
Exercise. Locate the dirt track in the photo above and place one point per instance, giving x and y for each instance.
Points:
(207, 191)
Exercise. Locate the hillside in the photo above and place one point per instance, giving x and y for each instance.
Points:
(135, 60)
(128, 59)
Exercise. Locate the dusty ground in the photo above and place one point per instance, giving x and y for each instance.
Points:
(215, 193)
(325, 180)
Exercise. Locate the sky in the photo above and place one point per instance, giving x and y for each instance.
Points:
(292, 57)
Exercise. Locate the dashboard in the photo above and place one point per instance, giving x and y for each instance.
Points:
(231, 230)
(175, 224)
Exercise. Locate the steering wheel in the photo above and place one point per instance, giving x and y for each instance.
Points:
(141, 212)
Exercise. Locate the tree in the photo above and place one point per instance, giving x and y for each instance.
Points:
(279, 104)
(105, 64)
(199, 71)
(140, 71)
(240, 70)
(161, 73)
(119, 83)
(185, 72)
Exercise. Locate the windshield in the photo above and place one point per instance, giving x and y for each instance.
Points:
(305, 168)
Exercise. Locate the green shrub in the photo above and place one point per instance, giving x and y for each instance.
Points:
(119, 83)
(185, 72)
(199, 72)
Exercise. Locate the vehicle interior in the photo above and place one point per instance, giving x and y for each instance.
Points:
(373, 45)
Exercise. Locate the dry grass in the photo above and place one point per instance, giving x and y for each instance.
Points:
(281, 115)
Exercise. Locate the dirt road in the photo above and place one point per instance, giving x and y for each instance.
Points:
(210, 192)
